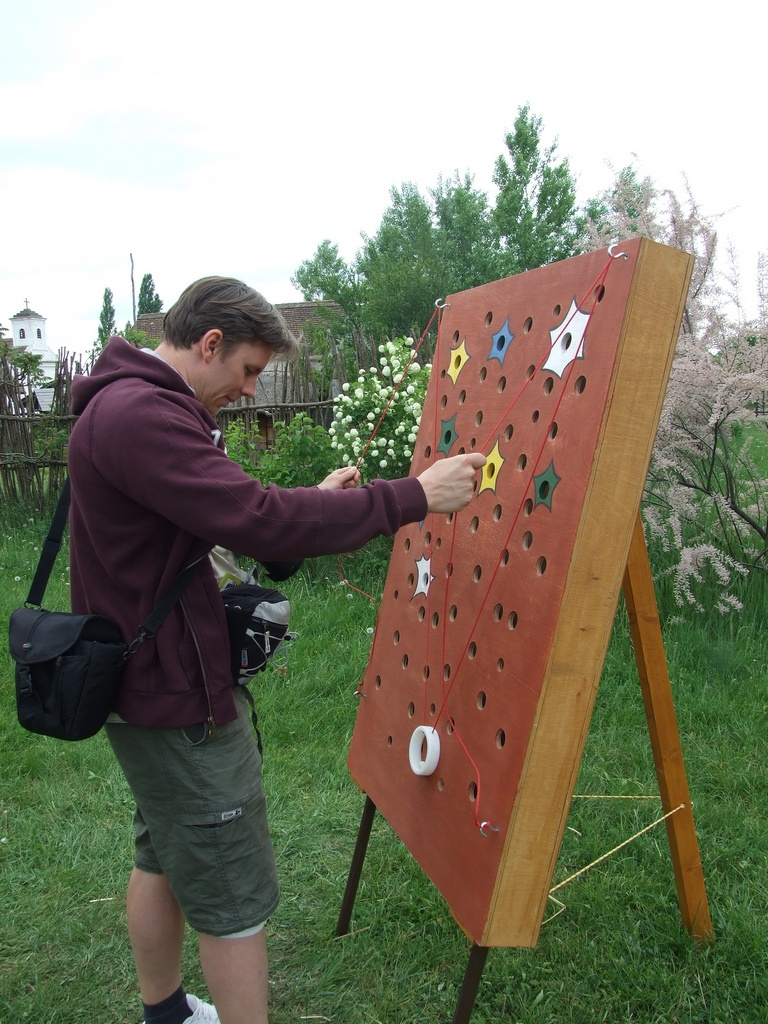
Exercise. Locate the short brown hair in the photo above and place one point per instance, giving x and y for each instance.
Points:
(237, 310)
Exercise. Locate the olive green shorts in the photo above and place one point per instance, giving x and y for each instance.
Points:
(201, 819)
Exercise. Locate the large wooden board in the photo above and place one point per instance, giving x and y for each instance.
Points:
(494, 622)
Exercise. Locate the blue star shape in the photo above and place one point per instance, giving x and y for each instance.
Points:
(502, 339)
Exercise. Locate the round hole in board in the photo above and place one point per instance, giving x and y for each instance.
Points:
(549, 383)
(502, 384)
(501, 738)
(462, 397)
(527, 540)
(528, 506)
(435, 620)
(482, 699)
(405, 661)
(483, 374)
(600, 292)
(528, 325)
(498, 613)
(496, 513)
(396, 636)
(522, 462)
(422, 613)
(472, 791)
(500, 665)
(453, 611)
(541, 566)
(512, 620)
(535, 416)
(488, 319)
(553, 431)
(556, 310)
(472, 650)
(377, 682)
(579, 385)
(411, 709)
(508, 432)
(477, 572)
(474, 525)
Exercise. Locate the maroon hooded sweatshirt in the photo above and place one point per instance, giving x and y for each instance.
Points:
(152, 492)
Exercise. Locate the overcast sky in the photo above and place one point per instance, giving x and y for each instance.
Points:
(232, 138)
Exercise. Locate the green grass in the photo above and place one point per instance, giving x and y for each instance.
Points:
(617, 953)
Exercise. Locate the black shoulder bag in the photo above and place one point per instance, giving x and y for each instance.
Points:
(68, 666)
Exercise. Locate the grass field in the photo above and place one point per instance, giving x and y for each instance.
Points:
(617, 952)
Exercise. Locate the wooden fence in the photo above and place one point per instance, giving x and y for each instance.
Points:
(35, 428)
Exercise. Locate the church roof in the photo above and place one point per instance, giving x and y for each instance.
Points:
(27, 314)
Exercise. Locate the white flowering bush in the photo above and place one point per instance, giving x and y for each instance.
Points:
(358, 409)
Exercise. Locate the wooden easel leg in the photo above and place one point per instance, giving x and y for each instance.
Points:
(356, 867)
(470, 985)
(665, 738)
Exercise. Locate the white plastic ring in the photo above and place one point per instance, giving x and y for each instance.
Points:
(424, 735)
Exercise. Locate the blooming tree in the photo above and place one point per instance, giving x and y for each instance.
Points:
(707, 493)
(358, 429)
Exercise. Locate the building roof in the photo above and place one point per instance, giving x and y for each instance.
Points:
(151, 324)
(27, 314)
(298, 314)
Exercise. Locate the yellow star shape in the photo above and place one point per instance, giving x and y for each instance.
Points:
(459, 356)
(491, 470)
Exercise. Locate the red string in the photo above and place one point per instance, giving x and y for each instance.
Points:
(446, 691)
(594, 289)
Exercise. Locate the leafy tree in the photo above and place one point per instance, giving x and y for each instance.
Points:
(427, 247)
(326, 277)
(535, 216)
(149, 300)
(467, 240)
(106, 321)
(401, 266)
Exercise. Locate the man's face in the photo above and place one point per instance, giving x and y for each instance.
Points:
(225, 378)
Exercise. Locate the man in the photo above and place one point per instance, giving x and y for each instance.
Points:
(153, 492)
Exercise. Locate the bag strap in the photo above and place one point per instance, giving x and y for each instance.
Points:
(51, 548)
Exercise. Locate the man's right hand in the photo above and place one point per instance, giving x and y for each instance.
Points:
(450, 483)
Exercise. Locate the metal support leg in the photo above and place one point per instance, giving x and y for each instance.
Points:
(356, 867)
(472, 976)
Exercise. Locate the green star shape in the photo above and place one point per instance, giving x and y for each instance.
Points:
(544, 486)
(448, 435)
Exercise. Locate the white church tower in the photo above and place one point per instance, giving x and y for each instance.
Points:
(29, 332)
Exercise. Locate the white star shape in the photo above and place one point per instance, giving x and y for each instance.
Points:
(424, 576)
